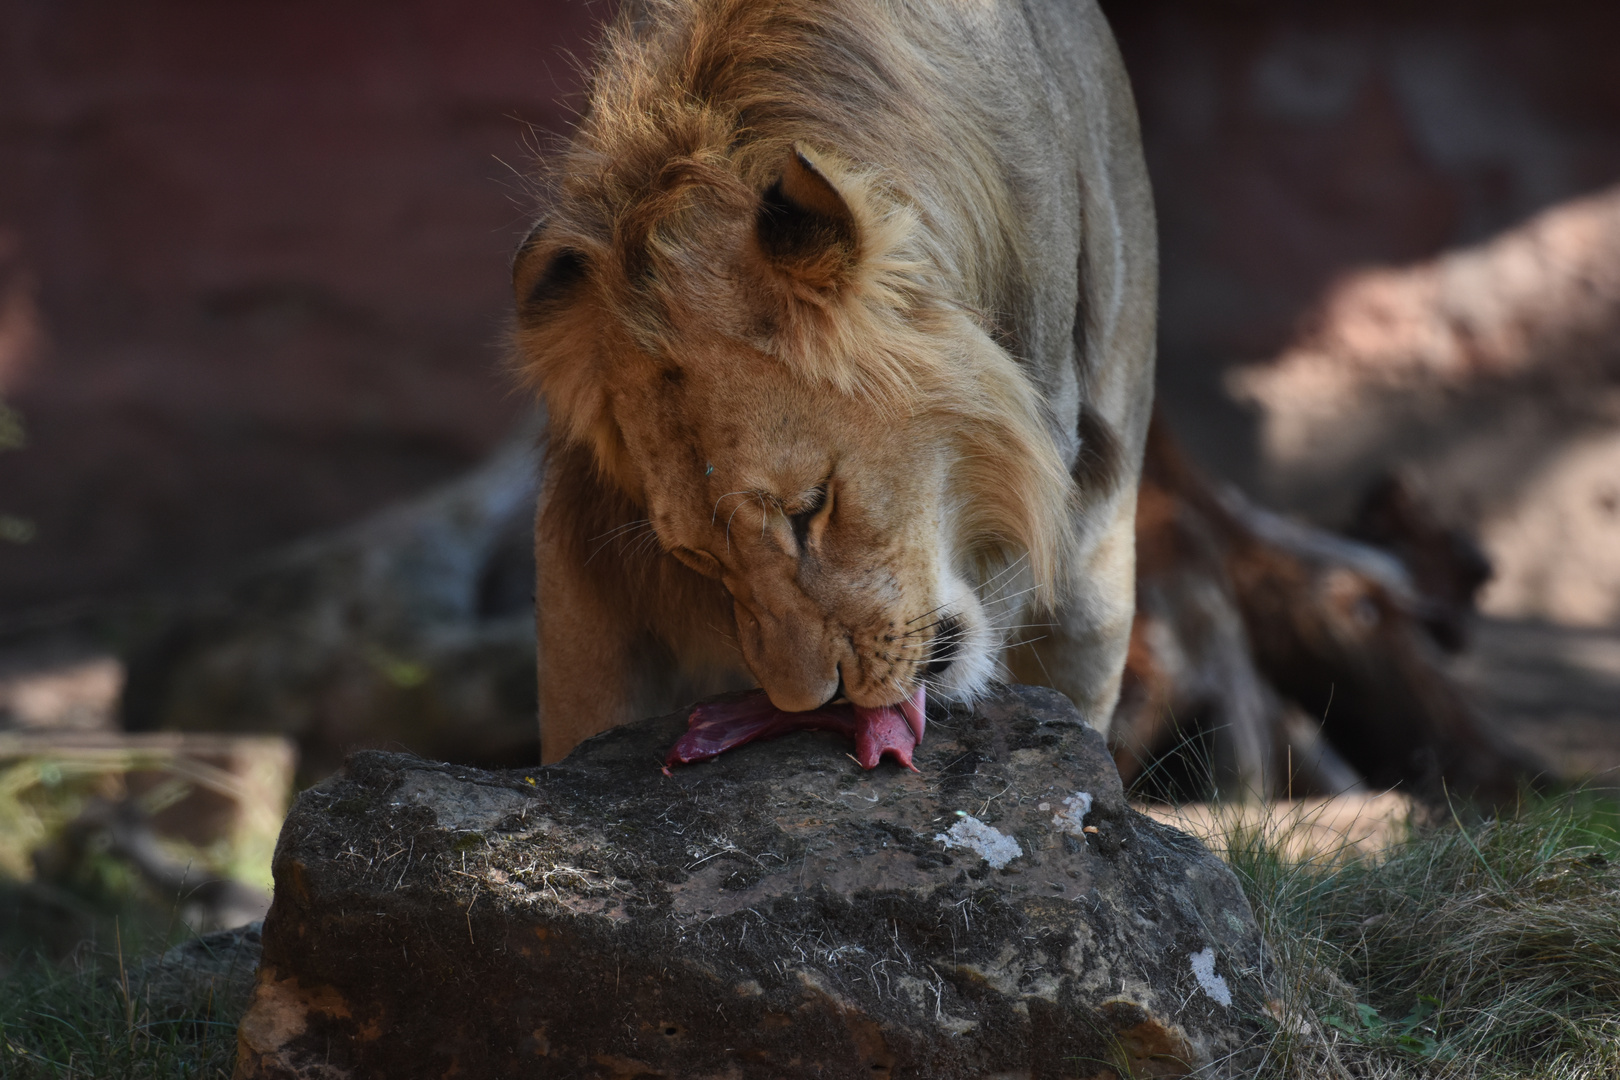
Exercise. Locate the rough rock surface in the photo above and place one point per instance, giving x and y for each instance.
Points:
(209, 976)
(776, 913)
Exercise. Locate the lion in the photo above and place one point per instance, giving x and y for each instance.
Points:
(842, 314)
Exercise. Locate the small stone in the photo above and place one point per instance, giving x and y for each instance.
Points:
(1073, 814)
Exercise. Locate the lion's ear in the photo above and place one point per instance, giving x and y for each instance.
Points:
(805, 227)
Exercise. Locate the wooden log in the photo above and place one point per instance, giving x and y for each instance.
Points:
(1296, 660)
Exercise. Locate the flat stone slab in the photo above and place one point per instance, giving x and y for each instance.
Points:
(777, 913)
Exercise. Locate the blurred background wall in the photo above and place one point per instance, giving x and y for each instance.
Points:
(1391, 241)
(253, 257)
(1290, 143)
(254, 262)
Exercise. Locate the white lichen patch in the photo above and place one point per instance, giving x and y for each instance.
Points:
(989, 843)
(1203, 968)
(1071, 818)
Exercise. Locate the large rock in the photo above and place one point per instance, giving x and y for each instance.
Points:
(208, 977)
(777, 913)
(1489, 377)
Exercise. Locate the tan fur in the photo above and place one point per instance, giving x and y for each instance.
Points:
(843, 316)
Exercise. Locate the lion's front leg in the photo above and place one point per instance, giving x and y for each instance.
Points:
(623, 630)
(590, 632)
(1082, 652)
(584, 649)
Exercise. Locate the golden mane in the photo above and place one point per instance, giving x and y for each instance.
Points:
(693, 109)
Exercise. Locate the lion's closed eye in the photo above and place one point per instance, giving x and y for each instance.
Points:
(813, 504)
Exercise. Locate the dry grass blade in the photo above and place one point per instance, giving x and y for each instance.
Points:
(1477, 951)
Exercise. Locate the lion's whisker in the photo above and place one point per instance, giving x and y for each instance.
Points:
(734, 510)
(635, 524)
(1015, 565)
(728, 638)
(1025, 626)
(622, 532)
(1008, 598)
(929, 612)
(716, 512)
(1004, 571)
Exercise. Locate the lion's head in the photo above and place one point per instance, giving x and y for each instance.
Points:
(758, 346)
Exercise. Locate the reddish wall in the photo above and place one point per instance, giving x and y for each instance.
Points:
(268, 241)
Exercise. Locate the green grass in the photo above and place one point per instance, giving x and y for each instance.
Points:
(1490, 950)
(87, 1016)
(82, 995)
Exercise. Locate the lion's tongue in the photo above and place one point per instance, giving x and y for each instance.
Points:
(714, 727)
(885, 730)
(890, 729)
(914, 709)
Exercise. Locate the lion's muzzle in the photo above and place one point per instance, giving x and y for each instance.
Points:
(791, 656)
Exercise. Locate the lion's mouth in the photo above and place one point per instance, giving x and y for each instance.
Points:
(944, 646)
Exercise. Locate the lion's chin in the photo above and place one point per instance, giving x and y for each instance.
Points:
(967, 679)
